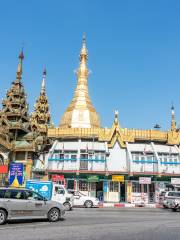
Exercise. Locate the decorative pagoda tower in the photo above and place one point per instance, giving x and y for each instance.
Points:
(81, 113)
(14, 119)
(41, 117)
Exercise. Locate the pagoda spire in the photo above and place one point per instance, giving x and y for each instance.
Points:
(43, 85)
(173, 122)
(19, 68)
(81, 113)
(40, 118)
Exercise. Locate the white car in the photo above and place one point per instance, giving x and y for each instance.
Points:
(82, 200)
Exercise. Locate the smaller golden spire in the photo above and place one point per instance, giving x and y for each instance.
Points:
(116, 115)
(19, 68)
(43, 86)
(173, 122)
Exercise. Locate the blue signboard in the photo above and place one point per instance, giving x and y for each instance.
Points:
(16, 174)
(106, 189)
(42, 187)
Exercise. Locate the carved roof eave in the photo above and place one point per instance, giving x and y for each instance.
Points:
(24, 149)
(5, 144)
(116, 133)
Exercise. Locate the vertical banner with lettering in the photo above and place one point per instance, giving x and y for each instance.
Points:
(16, 174)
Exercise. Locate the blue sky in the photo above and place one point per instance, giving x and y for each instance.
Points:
(134, 55)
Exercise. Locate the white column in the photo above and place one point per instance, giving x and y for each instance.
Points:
(78, 155)
(178, 150)
(129, 158)
(157, 157)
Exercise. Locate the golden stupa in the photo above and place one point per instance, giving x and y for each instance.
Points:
(81, 113)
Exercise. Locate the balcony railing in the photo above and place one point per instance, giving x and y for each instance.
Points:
(72, 159)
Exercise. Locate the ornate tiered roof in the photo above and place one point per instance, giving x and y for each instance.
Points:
(14, 118)
(41, 118)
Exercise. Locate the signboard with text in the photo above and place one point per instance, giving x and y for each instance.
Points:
(117, 178)
(144, 180)
(16, 174)
(56, 177)
(175, 181)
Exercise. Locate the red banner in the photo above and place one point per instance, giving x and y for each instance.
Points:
(3, 169)
(56, 177)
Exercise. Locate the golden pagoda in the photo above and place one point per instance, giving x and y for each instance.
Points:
(81, 113)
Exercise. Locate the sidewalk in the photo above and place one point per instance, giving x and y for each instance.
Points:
(130, 205)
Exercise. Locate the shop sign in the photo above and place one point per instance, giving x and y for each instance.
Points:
(117, 178)
(3, 169)
(144, 180)
(175, 181)
(16, 174)
(93, 178)
(56, 177)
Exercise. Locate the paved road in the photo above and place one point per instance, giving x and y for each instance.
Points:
(100, 224)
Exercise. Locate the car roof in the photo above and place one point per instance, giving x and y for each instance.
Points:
(13, 188)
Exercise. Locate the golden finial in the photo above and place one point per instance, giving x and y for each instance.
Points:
(43, 81)
(116, 113)
(19, 68)
(173, 122)
(84, 52)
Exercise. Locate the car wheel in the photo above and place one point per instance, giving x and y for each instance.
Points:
(67, 206)
(164, 206)
(3, 216)
(54, 215)
(174, 209)
(88, 204)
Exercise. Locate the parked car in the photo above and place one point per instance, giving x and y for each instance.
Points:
(52, 191)
(26, 204)
(169, 197)
(81, 199)
(161, 197)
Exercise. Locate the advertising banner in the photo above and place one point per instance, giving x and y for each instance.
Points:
(144, 180)
(3, 169)
(175, 181)
(16, 174)
(44, 188)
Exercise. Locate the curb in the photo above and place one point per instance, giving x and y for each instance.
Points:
(129, 205)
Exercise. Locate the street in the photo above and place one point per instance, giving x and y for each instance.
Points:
(100, 224)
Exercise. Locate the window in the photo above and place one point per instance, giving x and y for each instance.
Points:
(113, 186)
(73, 157)
(165, 160)
(83, 165)
(2, 191)
(33, 196)
(83, 186)
(136, 187)
(175, 160)
(84, 156)
(102, 156)
(14, 194)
